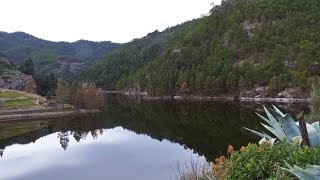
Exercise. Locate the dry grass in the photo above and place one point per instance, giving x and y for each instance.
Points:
(10, 94)
(194, 171)
(18, 99)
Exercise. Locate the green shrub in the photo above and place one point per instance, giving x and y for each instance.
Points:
(262, 162)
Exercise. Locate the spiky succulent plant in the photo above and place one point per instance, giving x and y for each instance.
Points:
(312, 172)
(283, 127)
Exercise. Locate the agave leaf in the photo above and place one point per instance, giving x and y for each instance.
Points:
(271, 120)
(274, 124)
(288, 165)
(316, 126)
(301, 173)
(314, 136)
(262, 141)
(270, 116)
(262, 117)
(277, 132)
(272, 141)
(297, 140)
(266, 135)
(289, 126)
(278, 111)
(255, 132)
(278, 173)
(313, 169)
(208, 177)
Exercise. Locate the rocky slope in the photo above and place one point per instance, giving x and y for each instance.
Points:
(10, 77)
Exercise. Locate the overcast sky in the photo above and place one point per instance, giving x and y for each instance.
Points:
(97, 20)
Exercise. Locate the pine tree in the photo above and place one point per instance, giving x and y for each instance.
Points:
(27, 67)
(62, 92)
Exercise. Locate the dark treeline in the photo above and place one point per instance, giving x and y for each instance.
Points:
(238, 46)
(81, 95)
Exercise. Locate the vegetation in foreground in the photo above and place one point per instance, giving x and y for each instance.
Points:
(293, 152)
(263, 161)
(295, 144)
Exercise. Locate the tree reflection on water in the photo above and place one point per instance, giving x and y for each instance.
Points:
(205, 127)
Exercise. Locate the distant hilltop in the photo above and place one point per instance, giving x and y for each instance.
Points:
(19, 46)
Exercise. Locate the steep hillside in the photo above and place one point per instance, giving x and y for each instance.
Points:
(240, 46)
(19, 46)
(10, 77)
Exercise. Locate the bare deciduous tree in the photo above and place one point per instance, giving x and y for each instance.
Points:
(30, 85)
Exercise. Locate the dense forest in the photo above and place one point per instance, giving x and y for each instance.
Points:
(22, 54)
(240, 45)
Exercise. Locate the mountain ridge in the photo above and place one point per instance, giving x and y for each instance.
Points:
(19, 46)
(240, 46)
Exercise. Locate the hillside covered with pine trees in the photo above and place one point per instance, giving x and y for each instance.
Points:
(239, 47)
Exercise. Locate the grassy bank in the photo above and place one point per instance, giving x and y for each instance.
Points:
(18, 103)
(11, 94)
(11, 99)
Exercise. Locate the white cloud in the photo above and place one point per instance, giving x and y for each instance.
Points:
(119, 21)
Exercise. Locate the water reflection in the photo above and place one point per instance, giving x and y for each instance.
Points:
(117, 154)
(142, 138)
(205, 127)
(76, 127)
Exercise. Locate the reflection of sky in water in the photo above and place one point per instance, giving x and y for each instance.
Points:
(117, 154)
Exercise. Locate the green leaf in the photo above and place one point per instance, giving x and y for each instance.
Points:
(313, 169)
(289, 126)
(278, 111)
(312, 172)
(262, 135)
(277, 132)
(316, 126)
(314, 136)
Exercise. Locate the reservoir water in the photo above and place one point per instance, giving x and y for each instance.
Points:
(130, 139)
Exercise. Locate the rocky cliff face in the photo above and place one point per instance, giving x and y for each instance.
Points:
(61, 67)
(10, 78)
(14, 80)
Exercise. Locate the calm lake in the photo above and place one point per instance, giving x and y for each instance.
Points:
(131, 139)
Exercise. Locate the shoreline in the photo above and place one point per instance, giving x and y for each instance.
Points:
(211, 98)
(7, 116)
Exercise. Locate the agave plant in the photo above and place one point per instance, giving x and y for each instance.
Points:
(283, 127)
(312, 172)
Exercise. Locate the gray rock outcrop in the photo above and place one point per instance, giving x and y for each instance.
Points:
(14, 80)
